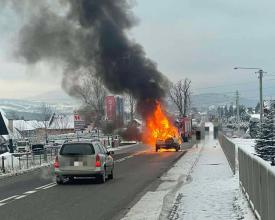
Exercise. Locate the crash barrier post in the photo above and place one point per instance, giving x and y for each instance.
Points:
(257, 180)
(3, 164)
(229, 150)
(216, 132)
(27, 160)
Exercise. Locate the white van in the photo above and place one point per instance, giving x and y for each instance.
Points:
(23, 146)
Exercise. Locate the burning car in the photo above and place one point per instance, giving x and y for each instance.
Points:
(168, 143)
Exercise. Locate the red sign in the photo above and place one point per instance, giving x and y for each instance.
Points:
(77, 117)
(110, 104)
(79, 124)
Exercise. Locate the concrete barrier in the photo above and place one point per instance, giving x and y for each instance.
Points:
(257, 178)
(229, 150)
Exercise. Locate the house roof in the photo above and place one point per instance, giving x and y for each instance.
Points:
(3, 127)
(62, 122)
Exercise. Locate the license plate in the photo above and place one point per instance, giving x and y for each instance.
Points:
(78, 163)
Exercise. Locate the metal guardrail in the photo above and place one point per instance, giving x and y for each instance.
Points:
(22, 161)
(229, 150)
(257, 179)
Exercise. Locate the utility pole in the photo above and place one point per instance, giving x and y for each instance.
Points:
(238, 110)
(260, 72)
(261, 94)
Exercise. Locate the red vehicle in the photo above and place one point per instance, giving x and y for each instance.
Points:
(185, 128)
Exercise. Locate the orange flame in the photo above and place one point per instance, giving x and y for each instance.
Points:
(158, 127)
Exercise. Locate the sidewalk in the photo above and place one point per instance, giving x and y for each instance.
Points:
(199, 186)
(213, 191)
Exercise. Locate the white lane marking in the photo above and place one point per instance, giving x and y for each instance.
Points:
(20, 197)
(49, 186)
(30, 192)
(1, 204)
(44, 186)
(4, 200)
(130, 156)
(120, 160)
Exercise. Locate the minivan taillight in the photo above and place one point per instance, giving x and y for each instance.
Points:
(97, 161)
(56, 163)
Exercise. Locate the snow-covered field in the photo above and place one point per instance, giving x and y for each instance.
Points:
(244, 143)
(199, 186)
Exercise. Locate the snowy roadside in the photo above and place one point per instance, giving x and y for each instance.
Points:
(199, 186)
(17, 172)
(155, 203)
(14, 166)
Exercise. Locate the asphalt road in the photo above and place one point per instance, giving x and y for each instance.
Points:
(36, 196)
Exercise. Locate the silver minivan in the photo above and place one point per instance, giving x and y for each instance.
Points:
(83, 159)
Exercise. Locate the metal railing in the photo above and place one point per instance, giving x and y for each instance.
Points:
(229, 150)
(22, 161)
(257, 179)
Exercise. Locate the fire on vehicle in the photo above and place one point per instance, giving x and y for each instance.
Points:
(160, 131)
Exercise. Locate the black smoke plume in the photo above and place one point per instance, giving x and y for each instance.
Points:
(90, 35)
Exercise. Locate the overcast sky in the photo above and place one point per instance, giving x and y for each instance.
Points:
(202, 40)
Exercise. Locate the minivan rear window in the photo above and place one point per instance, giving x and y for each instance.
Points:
(77, 149)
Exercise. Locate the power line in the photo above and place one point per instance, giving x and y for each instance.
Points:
(233, 84)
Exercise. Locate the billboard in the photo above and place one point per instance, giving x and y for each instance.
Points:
(79, 124)
(110, 104)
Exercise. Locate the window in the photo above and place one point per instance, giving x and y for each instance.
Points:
(77, 149)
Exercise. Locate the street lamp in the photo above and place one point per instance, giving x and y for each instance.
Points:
(260, 72)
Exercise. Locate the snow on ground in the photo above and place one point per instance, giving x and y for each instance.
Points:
(9, 160)
(199, 186)
(244, 143)
(13, 166)
(213, 192)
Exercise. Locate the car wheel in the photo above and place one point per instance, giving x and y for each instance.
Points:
(71, 178)
(102, 177)
(111, 176)
(59, 180)
(157, 149)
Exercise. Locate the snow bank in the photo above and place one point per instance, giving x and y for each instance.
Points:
(9, 161)
(247, 144)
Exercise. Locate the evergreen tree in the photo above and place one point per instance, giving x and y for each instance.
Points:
(257, 108)
(226, 113)
(231, 111)
(265, 143)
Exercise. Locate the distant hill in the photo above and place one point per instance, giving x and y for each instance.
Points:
(208, 99)
(30, 109)
(51, 96)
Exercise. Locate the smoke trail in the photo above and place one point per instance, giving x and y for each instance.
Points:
(85, 35)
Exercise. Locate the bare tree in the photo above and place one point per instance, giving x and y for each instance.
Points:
(46, 112)
(180, 93)
(92, 93)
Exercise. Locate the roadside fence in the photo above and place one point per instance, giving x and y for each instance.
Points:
(257, 180)
(229, 150)
(12, 162)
